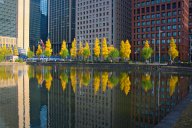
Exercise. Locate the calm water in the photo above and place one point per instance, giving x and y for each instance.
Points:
(82, 97)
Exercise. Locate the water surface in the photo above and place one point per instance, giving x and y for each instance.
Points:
(84, 97)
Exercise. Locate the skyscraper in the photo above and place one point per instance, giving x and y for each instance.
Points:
(44, 20)
(157, 21)
(35, 17)
(22, 22)
(8, 22)
(61, 22)
(190, 29)
(103, 18)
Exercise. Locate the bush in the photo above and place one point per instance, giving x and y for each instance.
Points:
(19, 60)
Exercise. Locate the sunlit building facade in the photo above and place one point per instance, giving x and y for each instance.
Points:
(104, 18)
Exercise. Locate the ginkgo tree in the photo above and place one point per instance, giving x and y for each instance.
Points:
(64, 51)
(122, 50)
(173, 52)
(86, 51)
(104, 50)
(127, 50)
(97, 49)
(80, 51)
(73, 50)
(48, 49)
(39, 51)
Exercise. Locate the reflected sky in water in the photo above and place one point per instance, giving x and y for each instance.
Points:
(83, 97)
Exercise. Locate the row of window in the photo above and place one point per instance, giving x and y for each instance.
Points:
(150, 2)
(156, 41)
(152, 29)
(157, 8)
(158, 15)
(165, 34)
(158, 22)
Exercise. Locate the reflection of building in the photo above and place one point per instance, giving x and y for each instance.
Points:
(93, 110)
(61, 24)
(150, 107)
(14, 108)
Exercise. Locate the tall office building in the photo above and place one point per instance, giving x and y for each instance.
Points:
(8, 22)
(35, 17)
(22, 27)
(14, 23)
(165, 18)
(103, 18)
(44, 20)
(61, 22)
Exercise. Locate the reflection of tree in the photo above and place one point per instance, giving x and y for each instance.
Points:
(125, 83)
(172, 83)
(64, 80)
(146, 82)
(96, 82)
(31, 72)
(48, 80)
(112, 82)
(86, 78)
(104, 79)
(6, 73)
(73, 78)
(80, 77)
(39, 78)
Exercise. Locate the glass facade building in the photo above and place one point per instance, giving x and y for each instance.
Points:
(8, 18)
(61, 22)
(35, 17)
(44, 20)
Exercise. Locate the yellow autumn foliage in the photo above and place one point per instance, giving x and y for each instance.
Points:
(172, 83)
(104, 80)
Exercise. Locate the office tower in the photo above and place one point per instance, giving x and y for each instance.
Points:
(103, 18)
(44, 20)
(8, 22)
(165, 18)
(22, 28)
(61, 22)
(35, 17)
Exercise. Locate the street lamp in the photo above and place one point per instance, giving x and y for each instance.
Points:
(190, 50)
(160, 45)
(154, 49)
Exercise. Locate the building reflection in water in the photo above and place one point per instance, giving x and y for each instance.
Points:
(80, 97)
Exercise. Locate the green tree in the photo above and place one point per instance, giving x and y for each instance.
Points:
(39, 51)
(122, 50)
(30, 54)
(146, 51)
(80, 52)
(86, 51)
(48, 49)
(64, 51)
(97, 49)
(173, 52)
(73, 50)
(15, 51)
(114, 54)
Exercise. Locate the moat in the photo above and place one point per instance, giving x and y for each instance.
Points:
(58, 96)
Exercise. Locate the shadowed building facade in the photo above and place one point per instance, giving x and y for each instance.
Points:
(160, 20)
(61, 22)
